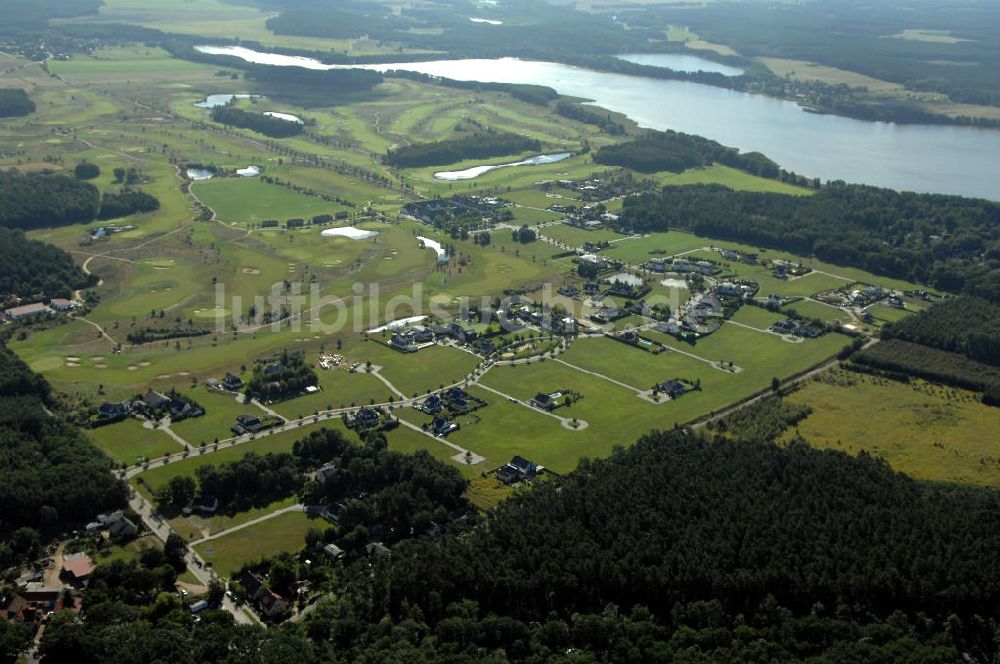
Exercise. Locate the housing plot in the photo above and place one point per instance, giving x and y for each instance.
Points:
(128, 442)
(285, 532)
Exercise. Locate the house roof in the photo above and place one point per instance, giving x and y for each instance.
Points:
(80, 565)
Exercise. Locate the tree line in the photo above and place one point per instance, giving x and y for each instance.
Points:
(34, 271)
(480, 145)
(949, 242)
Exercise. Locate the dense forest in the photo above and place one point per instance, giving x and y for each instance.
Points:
(264, 124)
(41, 201)
(50, 475)
(581, 113)
(126, 201)
(950, 242)
(325, 82)
(676, 152)
(14, 102)
(678, 549)
(966, 325)
(480, 145)
(962, 63)
(30, 201)
(35, 271)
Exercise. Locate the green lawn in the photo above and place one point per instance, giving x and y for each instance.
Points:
(250, 200)
(283, 533)
(338, 389)
(415, 373)
(128, 441)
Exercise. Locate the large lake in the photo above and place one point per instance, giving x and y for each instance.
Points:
(943, 159)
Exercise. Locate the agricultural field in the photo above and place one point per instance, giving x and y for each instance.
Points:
(928, 431)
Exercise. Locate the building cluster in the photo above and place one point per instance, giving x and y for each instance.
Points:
(28, 311)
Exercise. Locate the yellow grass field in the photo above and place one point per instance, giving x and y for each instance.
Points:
(927, 431)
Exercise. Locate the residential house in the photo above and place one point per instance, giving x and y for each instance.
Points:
(61, 304)
(368, 418)
(325, 472)
(333, 551)
(154, 400)
(377, 550)
(432, 404)
(545, 401)
(232, 383)
(442, 427)
(77, 567)
(591, 289)
(404, 340)
(672, 388)
(518, 469)
(569, 291)
(422, 334)
(114, 411)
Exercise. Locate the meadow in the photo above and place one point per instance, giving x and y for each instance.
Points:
(930, 432)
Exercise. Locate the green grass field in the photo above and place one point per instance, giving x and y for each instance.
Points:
(251, 201)
(283, 533)
(128, 441)
(927, 431)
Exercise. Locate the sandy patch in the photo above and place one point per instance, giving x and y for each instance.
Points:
(97, 358)
(72, 364)
(72, 358)
(144, 364)
(132, 367)
(251, 270)
(101, 366)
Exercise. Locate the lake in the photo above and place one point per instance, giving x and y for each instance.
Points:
(927, 158)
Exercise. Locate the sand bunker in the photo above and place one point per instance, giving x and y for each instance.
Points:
(72, 358)
(144, 364)
(101, 366)
(132, 367)
(251, 270)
